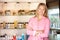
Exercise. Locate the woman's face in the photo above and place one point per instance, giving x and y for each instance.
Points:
(41, 10)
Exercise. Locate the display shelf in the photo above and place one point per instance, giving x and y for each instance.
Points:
(17, 12)
(18, 25)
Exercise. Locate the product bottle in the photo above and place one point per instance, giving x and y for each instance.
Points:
(14, 37)
(22, 36)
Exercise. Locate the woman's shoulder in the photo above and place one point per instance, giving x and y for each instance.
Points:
(46, 19)
(32, 18)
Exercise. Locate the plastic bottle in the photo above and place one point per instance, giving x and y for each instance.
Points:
(22, 36)
(14, 37)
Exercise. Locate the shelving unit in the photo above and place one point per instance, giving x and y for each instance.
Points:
(11, 15)
(15, 19)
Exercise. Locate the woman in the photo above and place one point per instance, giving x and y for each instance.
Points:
(38, 26)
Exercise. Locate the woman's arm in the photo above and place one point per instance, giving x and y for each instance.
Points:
(46, 30)
(29, 28)
(30, 31)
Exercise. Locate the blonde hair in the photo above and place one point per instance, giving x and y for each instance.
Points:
(45, 14)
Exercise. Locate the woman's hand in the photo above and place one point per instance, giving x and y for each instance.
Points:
(36, 33)
(28, 27)
(40, 31)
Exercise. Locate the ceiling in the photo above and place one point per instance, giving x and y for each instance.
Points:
(49, 1)
(52, 3)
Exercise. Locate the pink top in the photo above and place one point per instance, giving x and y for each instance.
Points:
(43, 24)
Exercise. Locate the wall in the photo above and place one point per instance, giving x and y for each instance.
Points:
(44, 1)
(13, 18)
